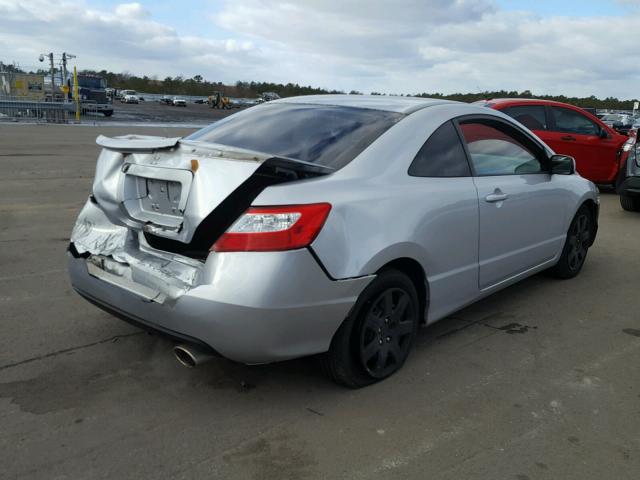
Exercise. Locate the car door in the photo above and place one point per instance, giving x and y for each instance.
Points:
(572, 133)
(522, 210)
(447, 226)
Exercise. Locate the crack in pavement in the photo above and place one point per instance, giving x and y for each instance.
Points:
(67, 350)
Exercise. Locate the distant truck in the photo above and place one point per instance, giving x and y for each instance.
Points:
(92, 90)
(24, 86)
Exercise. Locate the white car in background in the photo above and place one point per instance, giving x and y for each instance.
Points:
(130, 99)
(129, 96)
(179, 102)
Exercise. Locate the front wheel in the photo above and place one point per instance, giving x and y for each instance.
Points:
(375, 339)
(576, 245)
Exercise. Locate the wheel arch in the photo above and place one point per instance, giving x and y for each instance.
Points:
(593, 208)
(414, 270)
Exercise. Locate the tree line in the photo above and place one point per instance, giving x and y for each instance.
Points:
(199, 86)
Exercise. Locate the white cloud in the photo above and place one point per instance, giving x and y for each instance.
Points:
(402, 46)
(122, 39)
(131, 10)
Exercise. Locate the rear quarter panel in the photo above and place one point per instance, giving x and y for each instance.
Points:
(379, 213)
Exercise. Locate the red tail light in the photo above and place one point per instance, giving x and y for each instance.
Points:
(262, 229)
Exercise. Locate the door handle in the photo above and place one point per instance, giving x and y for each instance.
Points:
(496, 197)
(568, 138)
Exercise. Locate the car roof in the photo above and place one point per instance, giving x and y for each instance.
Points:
(396, 104)
(539, 101)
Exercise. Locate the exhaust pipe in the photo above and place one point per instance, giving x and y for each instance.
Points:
(191, 356)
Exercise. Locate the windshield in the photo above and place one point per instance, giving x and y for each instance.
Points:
(611, 118)
(91, 82)
(326, 135)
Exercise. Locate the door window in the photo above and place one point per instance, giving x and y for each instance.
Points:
(570, 121)
(442, 155)
(494, 150)
(531, 116)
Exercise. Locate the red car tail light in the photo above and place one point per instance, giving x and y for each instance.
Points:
(262, 229)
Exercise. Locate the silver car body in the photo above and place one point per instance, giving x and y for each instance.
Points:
(257, 307)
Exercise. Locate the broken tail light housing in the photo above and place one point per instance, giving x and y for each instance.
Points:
(265, 229)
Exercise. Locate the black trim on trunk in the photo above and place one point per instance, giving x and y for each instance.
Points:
(273, 171)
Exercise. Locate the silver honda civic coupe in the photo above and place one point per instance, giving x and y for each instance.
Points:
(332, 225)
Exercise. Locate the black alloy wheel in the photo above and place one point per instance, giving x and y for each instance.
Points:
(386, 332)
(576, 246)
(578, 239)
(376, 338)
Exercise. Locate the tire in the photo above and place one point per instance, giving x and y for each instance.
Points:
(630, 204)
(576, 246)
(375, 339)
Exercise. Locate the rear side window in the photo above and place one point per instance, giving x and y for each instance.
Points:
(441, 156)
(531, 116)
(326, 135)
(494, 150)
(570, 121)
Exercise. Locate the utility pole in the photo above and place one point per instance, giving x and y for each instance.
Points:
(64, 76)
(65, 57)
(53, 80)
(63, 87)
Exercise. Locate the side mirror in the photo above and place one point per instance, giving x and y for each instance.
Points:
(562, 165)
(603, 133)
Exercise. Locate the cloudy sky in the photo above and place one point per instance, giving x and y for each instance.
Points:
(401, 46)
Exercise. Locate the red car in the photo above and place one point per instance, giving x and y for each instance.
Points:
(598, 149)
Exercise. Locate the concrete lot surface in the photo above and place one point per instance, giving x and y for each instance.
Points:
(540, 381)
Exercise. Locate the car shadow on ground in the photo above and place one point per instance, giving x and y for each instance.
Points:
(489, 313)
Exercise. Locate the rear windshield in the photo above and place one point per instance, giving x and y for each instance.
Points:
(326, 135)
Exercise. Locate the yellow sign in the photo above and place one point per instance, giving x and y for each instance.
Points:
(65, 89)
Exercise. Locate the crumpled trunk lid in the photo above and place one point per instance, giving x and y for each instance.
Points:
(158, 204)
(165, 186)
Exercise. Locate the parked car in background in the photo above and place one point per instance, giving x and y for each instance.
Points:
(128, 93)
(179, 102)
(130, 99)
(598, 149)
(629, 185)
(332, 224)
(267, 97)
(620, 122)
(166, 100)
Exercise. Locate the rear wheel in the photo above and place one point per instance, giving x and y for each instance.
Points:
(631, 204)
(375, 340)
(576, 245)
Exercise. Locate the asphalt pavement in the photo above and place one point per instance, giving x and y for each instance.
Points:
(540, 381)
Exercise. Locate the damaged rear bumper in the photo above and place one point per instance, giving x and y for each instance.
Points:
(251, 307)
